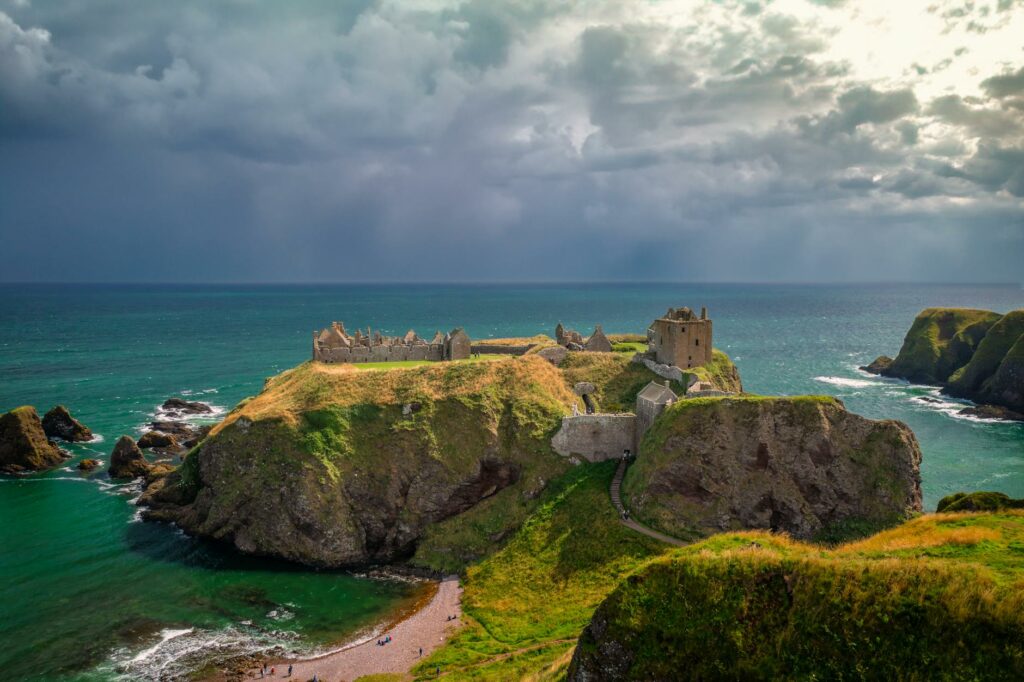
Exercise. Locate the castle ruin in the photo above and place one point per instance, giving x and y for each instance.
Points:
(334, 344)
(680, 338)
(573, 340)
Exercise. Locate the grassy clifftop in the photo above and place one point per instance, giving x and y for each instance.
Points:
(941, 341)
(332, 465)
(940, 597)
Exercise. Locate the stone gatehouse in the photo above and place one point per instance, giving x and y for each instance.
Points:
(334, 344)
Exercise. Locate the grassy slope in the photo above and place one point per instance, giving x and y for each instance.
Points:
(616, 377)
(533, 597)
(720, 372)
(940, 342)
(940, 597)
(990, 353)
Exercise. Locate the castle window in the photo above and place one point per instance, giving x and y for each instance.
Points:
(696, 342)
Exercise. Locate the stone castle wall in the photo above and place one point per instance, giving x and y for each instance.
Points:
(488, 349)
(434, 351)
(595, 437)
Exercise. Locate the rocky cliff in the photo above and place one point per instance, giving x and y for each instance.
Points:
(23, 443)
(936, 598)
(333, 465)
(974, 354)
(801, 465)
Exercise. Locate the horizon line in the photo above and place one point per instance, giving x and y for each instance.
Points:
(538, 282)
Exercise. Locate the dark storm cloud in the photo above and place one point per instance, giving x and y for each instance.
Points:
(379, 140)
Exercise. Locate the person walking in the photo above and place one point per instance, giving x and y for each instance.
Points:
(289, 670)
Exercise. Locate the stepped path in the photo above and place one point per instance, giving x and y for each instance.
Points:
(616, 492)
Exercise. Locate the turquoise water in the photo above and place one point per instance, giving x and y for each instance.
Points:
(86, 589)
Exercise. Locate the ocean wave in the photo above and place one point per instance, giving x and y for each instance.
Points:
(179, 652)
(847, 382)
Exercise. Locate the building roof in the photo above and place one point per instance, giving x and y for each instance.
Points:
(657, 393)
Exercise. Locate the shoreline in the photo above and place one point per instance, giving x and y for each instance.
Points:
(426, 625)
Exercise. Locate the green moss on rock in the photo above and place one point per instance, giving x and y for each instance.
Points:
(801, 464)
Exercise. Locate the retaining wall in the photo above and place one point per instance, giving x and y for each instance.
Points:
(595, 437)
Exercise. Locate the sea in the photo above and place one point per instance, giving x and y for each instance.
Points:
(88, 591)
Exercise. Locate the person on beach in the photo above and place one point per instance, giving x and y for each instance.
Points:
(289, 670)
(421, 652)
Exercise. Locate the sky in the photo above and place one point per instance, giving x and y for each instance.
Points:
(526, 140)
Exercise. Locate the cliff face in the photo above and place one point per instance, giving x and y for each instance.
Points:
(941, 341)
(801, 465)
(333, 466)
(936, 598)
(23, 443)
(974, 354)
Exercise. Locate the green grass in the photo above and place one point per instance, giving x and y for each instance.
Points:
(720, 373)
(533, 597)
(939, 597)
(629, 347)
(616, 377)
(398, 364)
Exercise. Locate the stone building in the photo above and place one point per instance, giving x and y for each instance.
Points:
(650, 403)
(680, 338)
(334, 344)
(573, 340)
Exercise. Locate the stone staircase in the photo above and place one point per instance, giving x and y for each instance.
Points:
(616, 493)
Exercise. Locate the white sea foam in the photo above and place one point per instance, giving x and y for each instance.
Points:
(181, 651)
(847, 382)
(165, 636)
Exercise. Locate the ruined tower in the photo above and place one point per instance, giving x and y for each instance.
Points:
(680, 338)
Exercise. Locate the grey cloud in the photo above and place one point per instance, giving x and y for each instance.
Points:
(978, 120)
(480, 140)
(1004, 85)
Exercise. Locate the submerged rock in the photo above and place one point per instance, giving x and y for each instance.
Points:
(88, 464)
(127, 460)
(23, 443)
(803, 465)
(992, 412)
(58, 423)
(186, 407)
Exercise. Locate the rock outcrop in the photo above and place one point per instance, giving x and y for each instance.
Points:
(88, 464)
(127, 460)
(803, 465)
(182, 406)
(23, 443)
(156, 439)
(879, 365)
(973, 354)
(58, 423)
(977, 502)
(325, 467)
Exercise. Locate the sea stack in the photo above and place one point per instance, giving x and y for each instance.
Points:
(127, 461)
(58, 423)
(23, 443)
